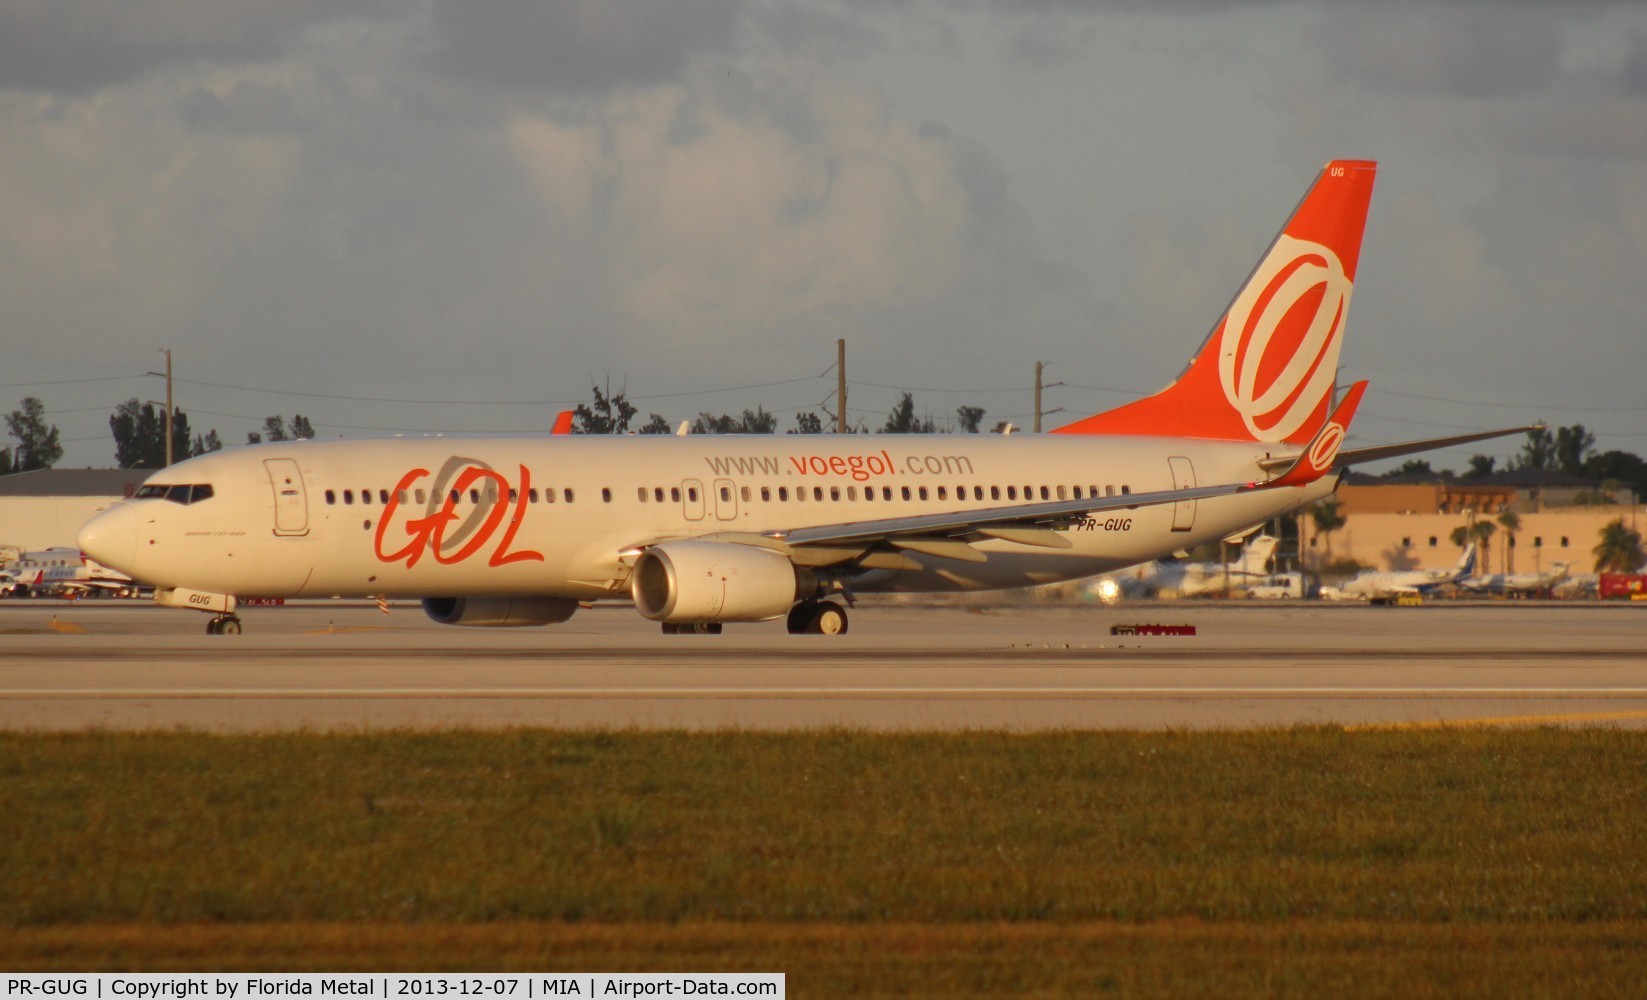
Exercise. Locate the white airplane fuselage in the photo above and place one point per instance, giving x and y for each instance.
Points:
(562, 516)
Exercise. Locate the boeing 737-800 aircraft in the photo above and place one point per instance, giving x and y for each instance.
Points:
(703, 530)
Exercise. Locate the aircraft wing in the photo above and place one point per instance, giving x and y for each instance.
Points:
(951, 534)
(1034, 523)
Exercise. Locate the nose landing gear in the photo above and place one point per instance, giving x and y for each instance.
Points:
(223, 625)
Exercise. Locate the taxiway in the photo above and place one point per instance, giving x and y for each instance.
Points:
(347, 666)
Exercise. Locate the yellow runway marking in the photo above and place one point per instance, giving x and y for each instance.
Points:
(1503, 720)
(67, 628)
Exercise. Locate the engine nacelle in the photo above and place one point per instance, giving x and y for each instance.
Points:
(692, 581)
(499, 611)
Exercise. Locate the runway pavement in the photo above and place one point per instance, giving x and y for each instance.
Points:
(128, 665)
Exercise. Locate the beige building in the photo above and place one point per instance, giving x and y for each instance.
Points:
(1409, 525)
(45, 508)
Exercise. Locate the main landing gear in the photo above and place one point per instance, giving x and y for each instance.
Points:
(817, 618)
(223, 625)
(691, 628)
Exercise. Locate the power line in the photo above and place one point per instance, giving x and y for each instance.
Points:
(496, 402)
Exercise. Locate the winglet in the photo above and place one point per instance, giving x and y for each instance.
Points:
(1323, 448)
(563, 423)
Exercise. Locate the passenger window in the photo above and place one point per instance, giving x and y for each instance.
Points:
(869, 492)
(1012, 492)
(766, 494)
(422, 497)
(491, 494)
(657, 493)
(1126, 490)
(532, 495)
(943, 493)
(817, 493)
(349, 497)
(1061, 494)
(995, 493)
(567, 494)
(605, 494)
(835, 493)
(1077, 492)
(640, 493)
(474, 496)
(674, 494)
(514, 494)
(906, 492)
(744, 492)
(726, 494)
(923, 493)
(886, 493)
(800, 494)
(383, 497)
(852, 493)
(783, 493)
(366, 497)
(331, 498)
(692, 493)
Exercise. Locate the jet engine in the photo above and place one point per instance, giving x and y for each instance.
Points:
(697, 581)
(499, 611)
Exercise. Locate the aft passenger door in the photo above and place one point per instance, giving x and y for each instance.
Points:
(1183, 478)
(291, 504)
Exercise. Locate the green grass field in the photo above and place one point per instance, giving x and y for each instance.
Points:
(1309, 861)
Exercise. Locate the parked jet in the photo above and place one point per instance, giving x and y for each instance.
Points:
(64, 571)
(1378, 586)
(1516, 584)
(1183, 578)
(701, 530)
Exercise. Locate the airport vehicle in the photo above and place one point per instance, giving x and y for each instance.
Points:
(1183, 578)
(1630, 586)
(1381, 587)
(1516, 584)
(703, 530)
(1278, 587)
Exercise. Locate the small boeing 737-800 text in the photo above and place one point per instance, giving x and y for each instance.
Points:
(703, 530)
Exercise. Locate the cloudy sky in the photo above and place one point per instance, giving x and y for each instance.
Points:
(444, 216)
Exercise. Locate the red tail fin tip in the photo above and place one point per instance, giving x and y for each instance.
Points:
(1267, 370)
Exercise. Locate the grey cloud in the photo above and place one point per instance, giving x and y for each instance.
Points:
(77, 46)
(1475, 51)
(579, 46)
(821, 33)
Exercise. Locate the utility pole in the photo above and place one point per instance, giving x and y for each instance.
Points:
(168, 352)
(1037, 397)
(840, 386)
(1038, 387)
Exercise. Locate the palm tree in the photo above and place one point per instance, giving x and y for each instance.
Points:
(1475, 533)
(1619, 550)
(1510, 521)
(1327, 518)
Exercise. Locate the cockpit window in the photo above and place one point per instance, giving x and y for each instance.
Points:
(185, 494)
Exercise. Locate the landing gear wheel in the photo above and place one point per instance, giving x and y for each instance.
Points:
(691, 628)
(830, 619)
(799, 621)
(223, 625)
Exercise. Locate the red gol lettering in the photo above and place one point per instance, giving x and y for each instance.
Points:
(428, 533)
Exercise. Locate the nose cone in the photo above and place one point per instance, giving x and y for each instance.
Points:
(111, 538)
